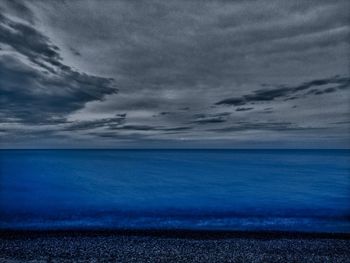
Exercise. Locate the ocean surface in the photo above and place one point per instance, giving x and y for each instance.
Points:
(287, 190)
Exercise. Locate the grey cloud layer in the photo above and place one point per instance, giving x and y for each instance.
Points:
(165, 71)
(35, 85)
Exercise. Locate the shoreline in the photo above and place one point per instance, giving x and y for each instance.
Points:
(172, 233)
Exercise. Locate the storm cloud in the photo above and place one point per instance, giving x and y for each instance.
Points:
(286, 92)
(35, 85)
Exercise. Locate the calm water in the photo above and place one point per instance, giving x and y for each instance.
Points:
(303, 190)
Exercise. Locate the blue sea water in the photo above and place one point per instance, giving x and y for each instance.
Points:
(288, 190)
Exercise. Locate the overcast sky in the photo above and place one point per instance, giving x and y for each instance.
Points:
(212, 74)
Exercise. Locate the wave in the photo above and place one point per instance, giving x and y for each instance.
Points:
(142, 220)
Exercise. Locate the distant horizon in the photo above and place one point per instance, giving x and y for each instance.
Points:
(155, 149)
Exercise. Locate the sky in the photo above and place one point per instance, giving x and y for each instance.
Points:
(174, 74)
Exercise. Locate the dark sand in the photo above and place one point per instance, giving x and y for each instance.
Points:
(173, 246)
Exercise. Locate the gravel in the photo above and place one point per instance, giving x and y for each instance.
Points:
(118, 248)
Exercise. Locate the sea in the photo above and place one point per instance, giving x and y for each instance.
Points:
(234, 190)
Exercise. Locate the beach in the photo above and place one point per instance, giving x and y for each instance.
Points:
(172, 247)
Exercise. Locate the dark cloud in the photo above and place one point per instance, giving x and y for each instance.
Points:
(123, 137)
(165, 113)
(42, 87)
(324, 91)
(263, 95)
(221, 114)
(137, 127)
(213, 115)
(211, 118)
(149, 128)
(75, 52)
(244, 109)
(26, 40)
(269, 126)
(175, 129)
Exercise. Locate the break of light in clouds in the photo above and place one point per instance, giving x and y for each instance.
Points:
(174, 74)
